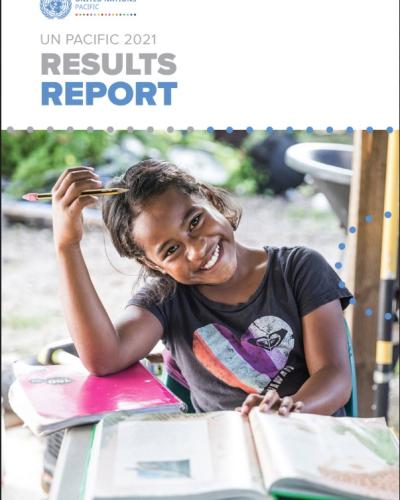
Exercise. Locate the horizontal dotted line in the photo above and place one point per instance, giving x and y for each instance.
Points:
(309, 130)
(228, 130)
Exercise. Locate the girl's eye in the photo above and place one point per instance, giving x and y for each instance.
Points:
(171, 250)
(195, 221)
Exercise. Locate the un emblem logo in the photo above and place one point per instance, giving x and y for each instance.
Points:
(55, 9)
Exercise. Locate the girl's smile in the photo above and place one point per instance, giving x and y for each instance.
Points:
(186, 237)
(214, 259)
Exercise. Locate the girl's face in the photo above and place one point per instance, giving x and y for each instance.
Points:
(186, 237)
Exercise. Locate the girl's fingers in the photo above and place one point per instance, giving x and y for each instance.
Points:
(83, 201)
(72, 178)
(286, 406)
(69, 176)
(245, 409)
(62, 177)
(298, 407)
(270, 399)
(67, 171)
(251, 401)
(76, 189)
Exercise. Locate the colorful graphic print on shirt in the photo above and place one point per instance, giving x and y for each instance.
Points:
(250, 361)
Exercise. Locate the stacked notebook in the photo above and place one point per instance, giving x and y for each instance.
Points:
(54, 397)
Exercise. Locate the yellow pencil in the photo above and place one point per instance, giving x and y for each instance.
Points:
(94, 192)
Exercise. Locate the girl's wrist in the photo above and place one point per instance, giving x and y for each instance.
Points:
(64, 249)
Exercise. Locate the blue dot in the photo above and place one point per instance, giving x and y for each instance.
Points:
(289, 130)
(388, 316)
(229, 130)
(249, 130)
(338, 265)
(349, 130)
(269, 130)
(352, 229)
(368, 312)
(389, 130)
(309, 130)
(388, 214)
(341, 284)
(369, 130)
(329, 130)
(368, 218)
(210, 130)
(342, 246)
(353, 301)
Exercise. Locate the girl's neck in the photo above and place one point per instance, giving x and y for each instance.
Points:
(249, 273)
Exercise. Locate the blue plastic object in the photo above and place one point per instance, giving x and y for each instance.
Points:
(351, 406)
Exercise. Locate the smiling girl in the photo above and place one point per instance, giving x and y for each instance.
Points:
(244, 326)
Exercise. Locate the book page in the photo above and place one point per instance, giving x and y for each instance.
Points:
(233, 450)
(180, 455)
(154, 455)
(353, 455)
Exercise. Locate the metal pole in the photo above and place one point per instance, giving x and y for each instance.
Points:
(390, 238)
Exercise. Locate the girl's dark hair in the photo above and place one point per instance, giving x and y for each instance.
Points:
(145, 180)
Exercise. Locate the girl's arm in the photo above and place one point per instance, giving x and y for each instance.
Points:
(102, 347)
(329, 386)
(327, 358)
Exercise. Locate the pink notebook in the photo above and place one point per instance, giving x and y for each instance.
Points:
(54, 397)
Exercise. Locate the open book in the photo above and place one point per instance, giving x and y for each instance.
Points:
(224, 455)
(51, 398)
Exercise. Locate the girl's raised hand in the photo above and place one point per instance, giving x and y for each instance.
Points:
(271, 401)
(67, 204)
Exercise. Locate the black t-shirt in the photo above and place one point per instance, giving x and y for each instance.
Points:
(228, 351)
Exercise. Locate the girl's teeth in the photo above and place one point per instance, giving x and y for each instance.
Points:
(213, 259)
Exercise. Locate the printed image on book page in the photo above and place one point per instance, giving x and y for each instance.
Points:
(356, 456)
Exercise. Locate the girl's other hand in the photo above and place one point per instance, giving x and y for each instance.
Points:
(67, 204)
(271, 401)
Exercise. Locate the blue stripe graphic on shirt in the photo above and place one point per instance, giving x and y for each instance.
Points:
(223, 350)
